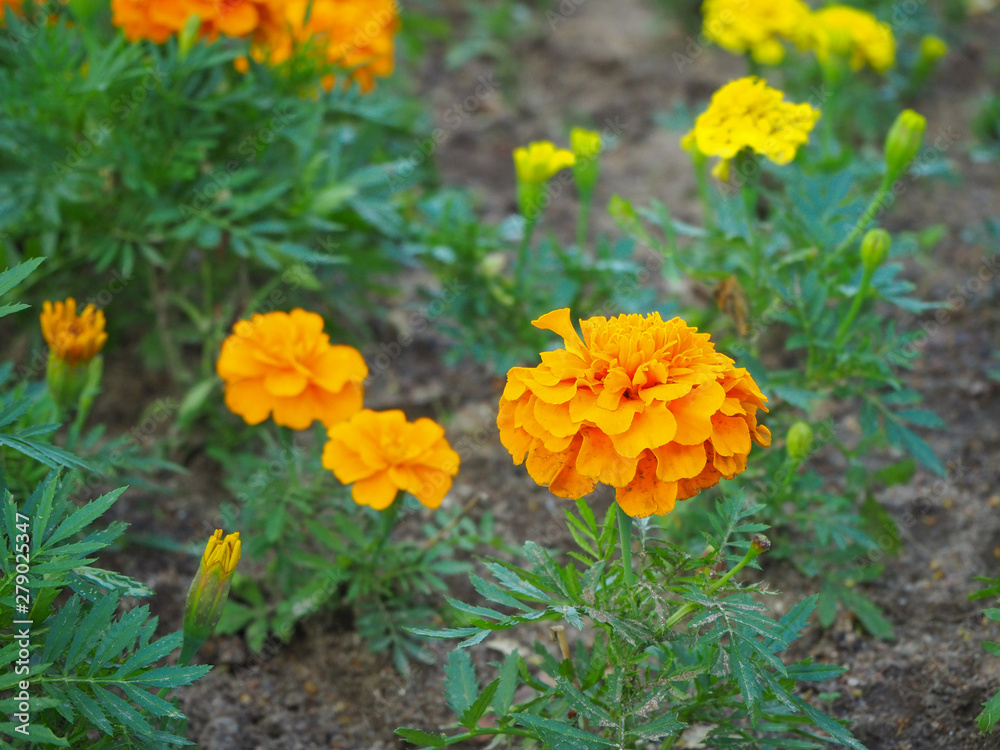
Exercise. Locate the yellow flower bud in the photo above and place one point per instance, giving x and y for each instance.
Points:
(586, 145)
(209, 591)
(74, 343)
(903, 143)
(932, 49)
(875, 248)
(799, 441)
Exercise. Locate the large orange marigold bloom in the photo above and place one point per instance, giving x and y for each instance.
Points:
(380, 453)
(75, 339)
(282, 364)
(644, 405)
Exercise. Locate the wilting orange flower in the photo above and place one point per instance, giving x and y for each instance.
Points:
(644, 405)
(75, 339)
(380, 453)
(283, 364)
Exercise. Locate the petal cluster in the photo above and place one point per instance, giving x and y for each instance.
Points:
(355, 36)
(644, 405)
(381, 454)
(540, 161)
(755, 26)
(749, 114)
(221, 555)
(75, 339)
(856, 34)
(282, 364)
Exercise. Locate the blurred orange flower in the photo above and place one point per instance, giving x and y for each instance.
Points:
(353, 36)
(282, 364)
(380, 453)
(644, 405)
(75, 339)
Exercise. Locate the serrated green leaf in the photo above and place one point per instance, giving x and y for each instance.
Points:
(470, 718)
(504, 696)
(460, 684)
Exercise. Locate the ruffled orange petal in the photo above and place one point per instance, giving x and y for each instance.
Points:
(377, 491)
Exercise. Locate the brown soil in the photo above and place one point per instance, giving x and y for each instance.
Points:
(611, 64)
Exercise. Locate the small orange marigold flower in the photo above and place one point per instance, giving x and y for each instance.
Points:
(282, 364)
(644, 405)
(75, 339)
(380, 453)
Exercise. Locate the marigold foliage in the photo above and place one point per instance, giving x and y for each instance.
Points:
(644, 405)
(381, 454)
(540, 161)
(75, 339)
(283, 365)
(855, 34)
(747, 113)
(755, 26)
(353, 35)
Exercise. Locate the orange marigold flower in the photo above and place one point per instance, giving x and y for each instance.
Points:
(355, 36)
(644, 405)
(75, 339)
(282, 364)
(380, 453)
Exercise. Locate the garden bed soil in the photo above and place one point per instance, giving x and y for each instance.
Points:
(613, 65)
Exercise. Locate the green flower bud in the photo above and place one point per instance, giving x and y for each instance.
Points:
(586, 145)
(875, 248)
(492, 264)
(932, 49)
(209, 591)
(903, 143)
(799, 441)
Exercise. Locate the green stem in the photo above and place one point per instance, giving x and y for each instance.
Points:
(522, 255)
(867, 216)
(161, 308)
(704, 191)
(859, 298)
(583, 219)
(625, 538)
(689, 607)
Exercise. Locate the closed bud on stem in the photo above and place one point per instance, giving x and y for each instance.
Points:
(760, 544)
(799, 442)
(932, 49)
(903, 143)
(875, 246)
(586, 145)
(209, 591)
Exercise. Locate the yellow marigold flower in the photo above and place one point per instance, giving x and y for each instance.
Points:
(747, 113)
(540, 161)
(932, 48)
(209, 591)
(282, 364)
(381, 454)
(856, 34)
(75, 339)
(755, 26)
(644, 405)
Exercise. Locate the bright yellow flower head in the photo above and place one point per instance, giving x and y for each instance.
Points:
(856, 34)
(644, 405)
(540, 161)
(755, 26)
(381, 454)
(282, 364)
(747, 113)
(221, 554)
(75, 339)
